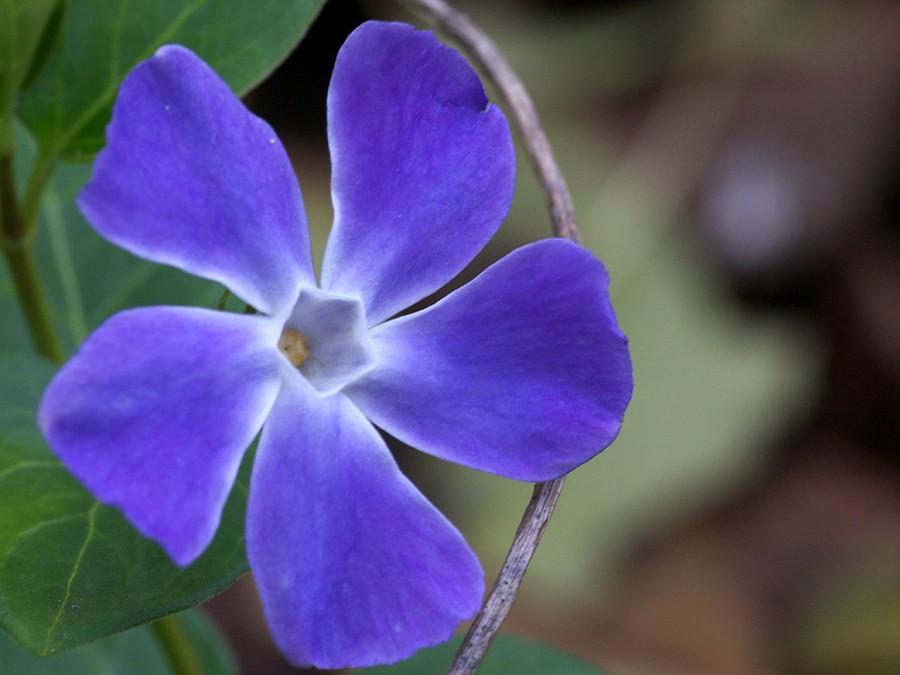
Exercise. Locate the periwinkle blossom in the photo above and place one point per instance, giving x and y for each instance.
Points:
(522, 372)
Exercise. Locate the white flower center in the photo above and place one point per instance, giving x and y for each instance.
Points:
(326, 339)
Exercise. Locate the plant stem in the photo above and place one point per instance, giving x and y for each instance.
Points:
(180, 652)
(500, 600)
(16, 242)
(10, 213)
(34, 189)
(30, 292)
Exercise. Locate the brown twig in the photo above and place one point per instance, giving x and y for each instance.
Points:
(488, 58)
(500, 600)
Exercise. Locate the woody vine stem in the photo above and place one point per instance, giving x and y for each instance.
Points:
(491, 62)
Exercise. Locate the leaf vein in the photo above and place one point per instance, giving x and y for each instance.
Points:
(26, 465)
(91, 528)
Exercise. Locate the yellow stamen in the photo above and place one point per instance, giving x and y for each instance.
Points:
(293, 345)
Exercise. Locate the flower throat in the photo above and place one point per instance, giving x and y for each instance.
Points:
(293, 345)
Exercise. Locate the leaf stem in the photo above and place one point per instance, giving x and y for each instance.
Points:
(10, 213)
(16, 242)
(176, 644)
(495, 67)
(34, 189)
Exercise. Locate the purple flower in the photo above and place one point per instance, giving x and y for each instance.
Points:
(522, 372)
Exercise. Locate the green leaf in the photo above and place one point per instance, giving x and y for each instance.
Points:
(68, 105)
(23, 24)
(135, 651)
(87, 279)
(72, 570)
(508, 654)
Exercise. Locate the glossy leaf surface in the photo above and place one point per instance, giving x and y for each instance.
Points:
(67, 105)
(72, 570)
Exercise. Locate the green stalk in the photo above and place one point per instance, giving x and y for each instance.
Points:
(16, 244)
(28, 287)
(34, 189)
(176, 644)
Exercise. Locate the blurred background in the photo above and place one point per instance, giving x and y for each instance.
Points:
(735, 165)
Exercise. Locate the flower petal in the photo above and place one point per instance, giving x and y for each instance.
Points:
(523, 372)
(191, 178)
(155, 411)
(355, 567)
(422, 167)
